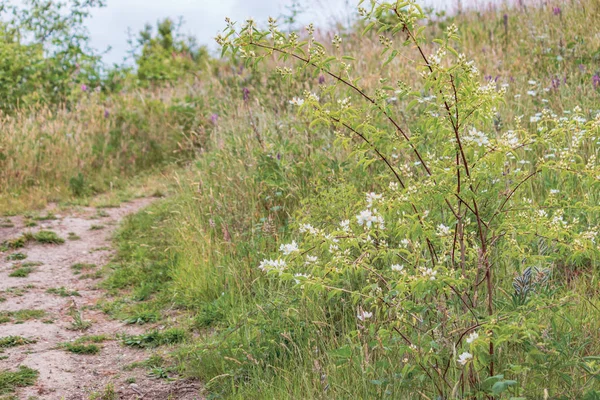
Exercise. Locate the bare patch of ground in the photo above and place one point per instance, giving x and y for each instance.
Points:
(65, 375)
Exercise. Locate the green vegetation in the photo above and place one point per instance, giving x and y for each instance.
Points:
(78, 348)
(21, 272)
(16, 257)
(79, 267)
(10, 380)
(63, 292)
(13, 341)
(21, 316)
(405, 209)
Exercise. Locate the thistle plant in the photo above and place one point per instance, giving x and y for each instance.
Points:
(467, 227)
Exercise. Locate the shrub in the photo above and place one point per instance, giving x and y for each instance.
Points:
(441, 278)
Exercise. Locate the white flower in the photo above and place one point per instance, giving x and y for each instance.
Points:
(308, 228)
(368, 218)
(272, 265)
(472, 337)
(443, 230)
(429, 273)
(534, 119)
(345, 224)
(398, 268)
(311, 259)
(362, 314)
(405, 242)
(296, 276)
(393, 186)
(289, 248)
(297, 101)
(464, 358)
(532, 82)
(532, 93)
(373, 197)
(554, 191)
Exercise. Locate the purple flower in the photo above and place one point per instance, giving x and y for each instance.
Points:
(278, 156)
(84, 88)
(581, 68)
(214, 118)
(556, 11)
(246, 92)
(106, 113)
(488, 78)
(555, 82)
(596, 81)
(321, 79)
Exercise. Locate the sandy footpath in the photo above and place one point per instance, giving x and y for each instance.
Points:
(65, 375)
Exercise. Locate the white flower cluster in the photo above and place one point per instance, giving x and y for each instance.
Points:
(477, 137)
(289, 248)
(278, 265)
(370, 218)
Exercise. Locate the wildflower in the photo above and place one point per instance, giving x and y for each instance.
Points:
(443, 230)
(464, 358)
(429, 273)
(106, 113)
(532, 93)
(84, 88)
(534, 119)
(362, 315)
(372, 197)
(296, 276)
(405, 242)
(321, 79)
(246, 94)
(272, 265)
(393, 186)
(311, 259)
(214, 118)
(345, 224)
(556, 11)
(596, 81)
(554, 191)
(287, 249)
(296, 101)
(532, 82)
(397, 268)
(368, 218)
(308, 228)
(472, 337)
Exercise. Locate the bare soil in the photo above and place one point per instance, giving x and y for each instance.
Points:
(62, 374)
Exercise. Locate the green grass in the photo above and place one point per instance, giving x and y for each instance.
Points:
(73, 236)
(11, 380)
(96, 227)
(21, 316)
(16, 257)
(78, 348)
(155, 338)
(79, 267)
(42, 237)
(63, 292)
(13, 341)
(22, 272)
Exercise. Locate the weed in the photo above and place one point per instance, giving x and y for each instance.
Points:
(77, 268)
(78, 348)
(32, 264)
(63, 292)
(78, 324)
(46, 237)
(96, 227)
(143, 317)
(102, 214)
(107, 394)
(155, 338)
(16, 257)
(73, 236)
(22, 272)
(9, 380)
(13, 341)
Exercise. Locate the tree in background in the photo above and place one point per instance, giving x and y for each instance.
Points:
(166, 55)
(45, 52)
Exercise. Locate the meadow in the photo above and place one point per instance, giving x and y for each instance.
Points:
(404, 208)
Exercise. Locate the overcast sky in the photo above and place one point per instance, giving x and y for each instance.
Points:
(203, 18)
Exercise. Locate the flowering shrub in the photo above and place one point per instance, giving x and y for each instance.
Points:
(467, 230)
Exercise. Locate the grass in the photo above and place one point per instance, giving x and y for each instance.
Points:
(82, 348)
(21, 316)
(11, 380)
(96, 227)
(155, 338)
(22, 272)
(79, 267)
(14, 341)
(16, 257)
(73, 236)
(42, 237)
(63, 292)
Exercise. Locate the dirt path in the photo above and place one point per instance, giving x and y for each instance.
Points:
(62, 374)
